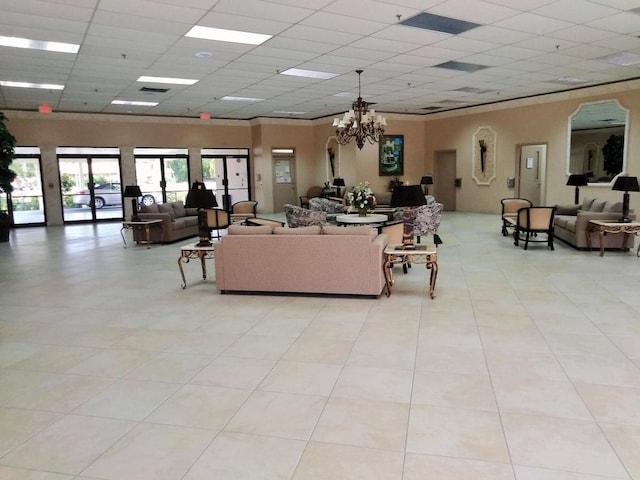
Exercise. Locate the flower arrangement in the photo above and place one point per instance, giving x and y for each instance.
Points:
(361, 197)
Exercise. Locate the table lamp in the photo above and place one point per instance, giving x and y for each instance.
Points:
(577, 180)
(201, 198)
(407, 196)
(426, 180)
(626, 184)
(133, 192)
(338, 182)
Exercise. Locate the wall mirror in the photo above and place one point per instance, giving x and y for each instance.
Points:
(597, 141)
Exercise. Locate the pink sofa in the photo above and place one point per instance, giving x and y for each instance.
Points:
(314, 259)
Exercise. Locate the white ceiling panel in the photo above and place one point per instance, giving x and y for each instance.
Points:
(526, 46)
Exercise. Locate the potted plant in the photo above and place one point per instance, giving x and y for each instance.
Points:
(7, 153)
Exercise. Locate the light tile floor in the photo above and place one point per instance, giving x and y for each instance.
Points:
(525, 366)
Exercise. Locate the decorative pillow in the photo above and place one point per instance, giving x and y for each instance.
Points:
(427, 218)
(178, 209)
(597, 205)
(318, 204)
(612, 207)
(149, 208)
(166, 208)
(586, 203)
(249, 230)
(301, 217)
(310, 230)
(359, 230)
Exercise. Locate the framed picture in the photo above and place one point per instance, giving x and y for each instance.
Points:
(391, 155)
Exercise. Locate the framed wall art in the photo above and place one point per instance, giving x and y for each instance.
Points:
(391, 155)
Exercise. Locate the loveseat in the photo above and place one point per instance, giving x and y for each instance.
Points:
(571, 221)
(178, 222)
(315, 259)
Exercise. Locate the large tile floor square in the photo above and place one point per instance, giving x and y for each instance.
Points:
(525, 366)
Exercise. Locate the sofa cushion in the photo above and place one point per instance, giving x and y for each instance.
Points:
(149, 208)
(166, 208)
(308, 230)
(358, 230)
(178, 209)
(561, 221)
(612, 207)
(597, 205)
(191, 211)
(189, 221)
(178, 223)
(586, 203)
(249, 230)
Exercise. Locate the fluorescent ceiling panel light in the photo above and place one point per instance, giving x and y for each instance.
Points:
(46, 86)
(473, 90)
(241, 99)
(136, 103)
(462, 66)
(569, 81)
(344, 94)
(39, 45)
(282, 150)
(223, 35)
(429, 21)
(289, 113)
(624, 59)
(298, 72)
(174, 81)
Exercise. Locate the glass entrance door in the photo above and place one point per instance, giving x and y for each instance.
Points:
(27, 198)
(90, 184)
(162, 174)
(226, 172)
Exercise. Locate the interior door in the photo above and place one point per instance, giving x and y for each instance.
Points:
(531, 172)
(444, 179)
(284, 188)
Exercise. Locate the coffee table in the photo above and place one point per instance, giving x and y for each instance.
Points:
(603, 228)
(141, 225)
(396, 253)
(192, 250)
(358, 220)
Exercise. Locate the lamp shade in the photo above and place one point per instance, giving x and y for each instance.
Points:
(132, 191)
(626, 184)
(577, 180)
(338, 182)
(407, 196)
(426, 180)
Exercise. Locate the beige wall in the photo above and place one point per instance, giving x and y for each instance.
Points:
(541, 120)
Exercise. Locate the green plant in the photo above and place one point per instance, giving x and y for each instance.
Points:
(7, 154)
(612, 153)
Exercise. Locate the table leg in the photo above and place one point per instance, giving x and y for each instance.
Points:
(182, 259)
(388, 279)
(204, 267)
(122, 235)
(433, 265)
(147, 229)
(602, 232)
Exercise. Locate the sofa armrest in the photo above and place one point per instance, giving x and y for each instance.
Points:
(567, 209)
(583, 218)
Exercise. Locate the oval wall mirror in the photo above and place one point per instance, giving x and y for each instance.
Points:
(597, 146)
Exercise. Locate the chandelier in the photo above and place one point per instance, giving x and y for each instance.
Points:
(360, 123)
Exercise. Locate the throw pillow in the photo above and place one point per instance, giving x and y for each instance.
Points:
(586, 203)
(178, 209)
(149, 208)
(612, 207)
(310, 230)
(166, 208)
(248, 230)
(597, 205)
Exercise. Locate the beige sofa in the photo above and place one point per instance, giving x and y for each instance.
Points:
(178, 222)
(571, 221)
(313, 259)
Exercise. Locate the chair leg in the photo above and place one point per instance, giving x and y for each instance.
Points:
(437, 240)
(504, 228)
(526, 240)
(516, 235)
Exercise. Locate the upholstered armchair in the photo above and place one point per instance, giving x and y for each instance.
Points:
(303, 217)
(312, 192)
(426, 221)
(533, 220)
(218, 219)
(242, 210)
(510, 207)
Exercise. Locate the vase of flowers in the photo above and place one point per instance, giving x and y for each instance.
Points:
(361, 198)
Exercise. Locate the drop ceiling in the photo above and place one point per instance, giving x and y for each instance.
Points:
(518, 49)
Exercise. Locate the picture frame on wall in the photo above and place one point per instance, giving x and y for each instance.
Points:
(391, 160)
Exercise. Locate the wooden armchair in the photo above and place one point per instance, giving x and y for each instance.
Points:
(242, 210)
(510, 207)
(217, 219)
(533, 220)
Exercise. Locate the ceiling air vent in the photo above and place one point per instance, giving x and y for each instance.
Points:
(154, 90)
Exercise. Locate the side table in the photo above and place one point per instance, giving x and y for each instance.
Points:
(603, 228)
(141, 225)
(190, 251)
(395, 253)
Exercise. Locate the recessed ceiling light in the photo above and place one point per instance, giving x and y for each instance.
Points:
(39, 45)
(473, 90)
(345, 94)
(569, 81)
(624, 59)
(298, 72)
(139, 104)
(46, 86)
(241, 99)
(175, 81)
(223, 35)
(204, 54)
(284, 112)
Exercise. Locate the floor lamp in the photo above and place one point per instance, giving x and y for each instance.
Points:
(133, 192)
(626, 184)
(426, 180)
(577, 180)
(407, 196)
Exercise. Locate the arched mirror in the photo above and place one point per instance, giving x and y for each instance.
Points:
(597, 146)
